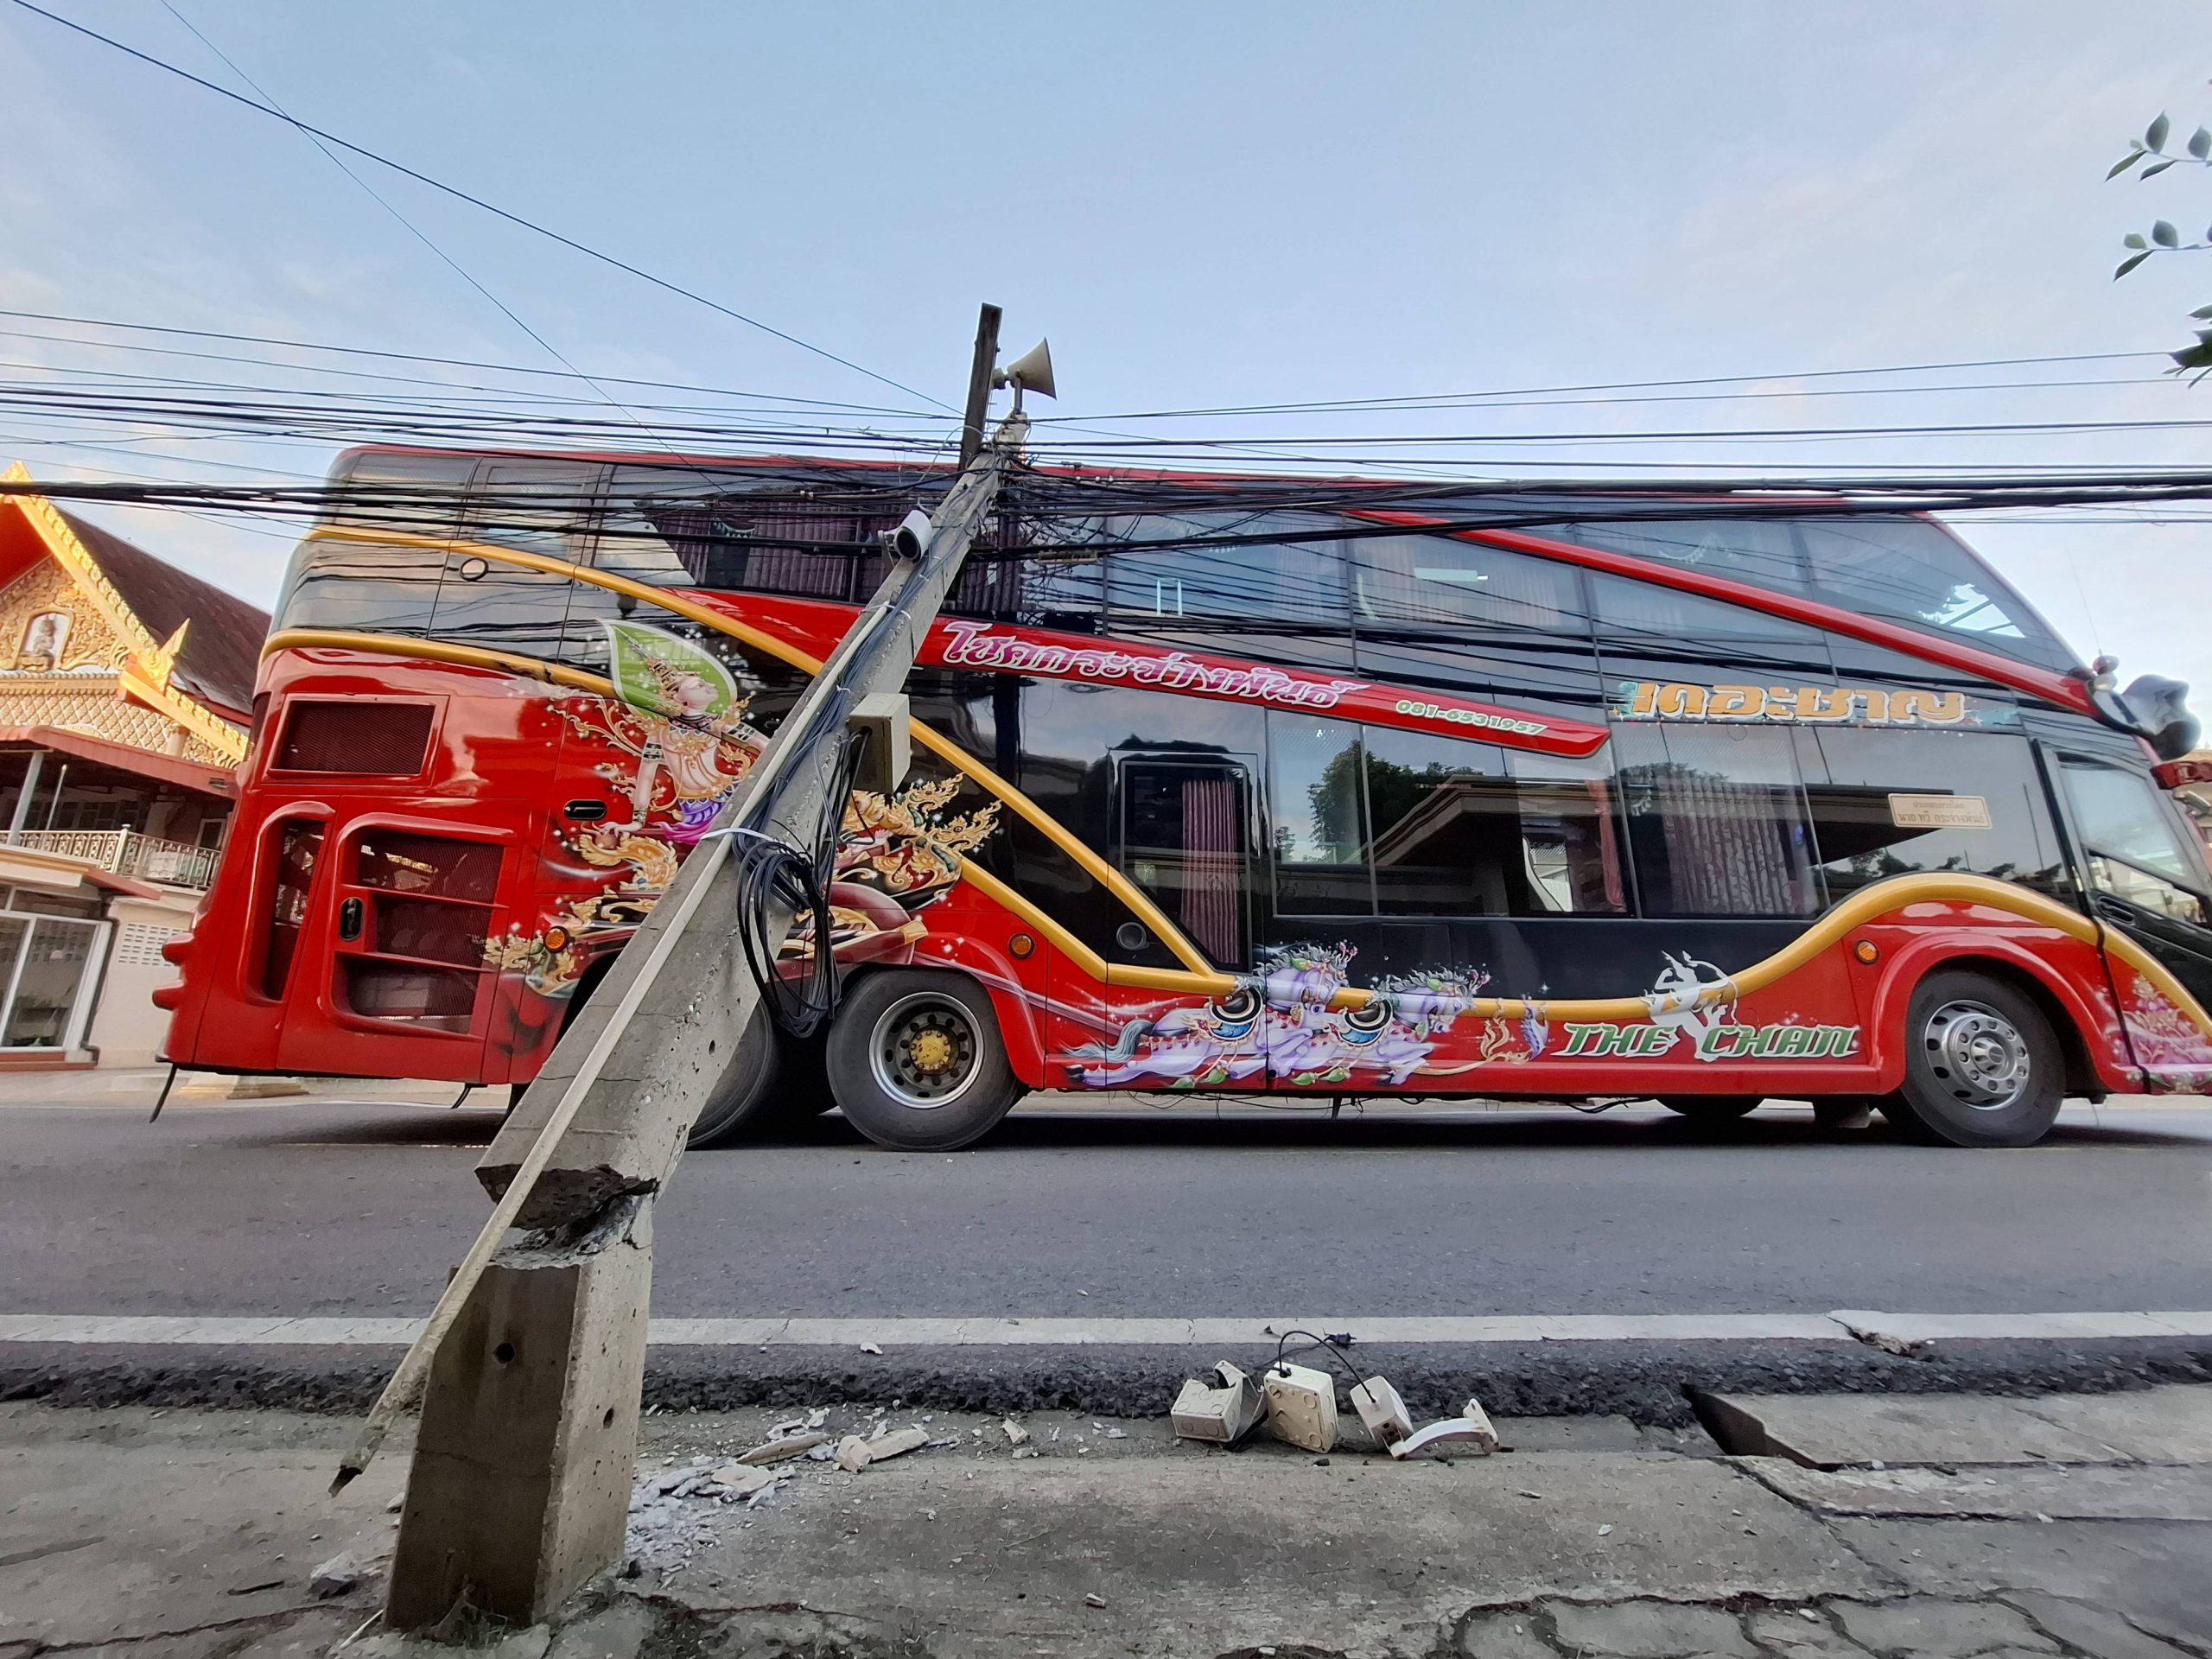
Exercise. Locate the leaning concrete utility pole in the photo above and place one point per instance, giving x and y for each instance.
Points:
(530, 1368)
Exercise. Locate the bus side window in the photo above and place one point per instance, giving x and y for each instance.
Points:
(1288, 582)
(1431, 581)
(1316, 817)
(1717, 820)
(1460, 829)
(2133, 851)
(1895, 803)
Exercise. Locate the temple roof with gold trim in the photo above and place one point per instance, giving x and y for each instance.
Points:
(99, 637)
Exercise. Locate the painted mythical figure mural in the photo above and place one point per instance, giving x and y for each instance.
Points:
(679, 745)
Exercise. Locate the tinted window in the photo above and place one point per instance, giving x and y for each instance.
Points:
(1570, 835)
(769, 537)
(1316, 817)
(1898, 567)
(502, 607)
(1290, 581)
(2120, 818)
(1897, 803)
(1629, 611)
(355, 587)
(1467, 829)
(1910, 570)
(1438, 581)
(1761, 551)
(543, 507)
(422, 493)
(1717, 820)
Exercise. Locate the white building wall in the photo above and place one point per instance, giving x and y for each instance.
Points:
(127, 1028)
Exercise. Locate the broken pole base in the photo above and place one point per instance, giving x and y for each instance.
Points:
(519, 1493)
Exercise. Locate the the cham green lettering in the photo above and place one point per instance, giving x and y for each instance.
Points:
(1726, 1042)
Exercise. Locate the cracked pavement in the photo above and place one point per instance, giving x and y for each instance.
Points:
(192, 1532)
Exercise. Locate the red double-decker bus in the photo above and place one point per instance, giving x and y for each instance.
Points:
(1221, 785)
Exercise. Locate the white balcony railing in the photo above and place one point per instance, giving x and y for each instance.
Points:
(127, 852)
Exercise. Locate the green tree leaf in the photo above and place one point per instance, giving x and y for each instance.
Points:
(2165, 235)
(2154, 135)
(2202, 313)
(2199, 142)
(2198, 356)
(2155, 168)
(2123, 163)
(2133, 240)
(2129, 264)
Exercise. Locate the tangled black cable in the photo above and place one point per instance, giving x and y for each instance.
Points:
(1332, 1345)
(776, 877)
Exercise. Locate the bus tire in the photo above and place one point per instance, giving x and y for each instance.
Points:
(1982, 1066)
(747, 1092)
(917, 1063)
(1712, 1109)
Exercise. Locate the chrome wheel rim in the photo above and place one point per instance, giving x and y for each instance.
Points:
(1977, 1056)
(923, 1052)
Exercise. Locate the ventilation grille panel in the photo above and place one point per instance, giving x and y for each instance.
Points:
(387, 739)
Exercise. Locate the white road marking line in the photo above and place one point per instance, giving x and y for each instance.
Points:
(267, 1331)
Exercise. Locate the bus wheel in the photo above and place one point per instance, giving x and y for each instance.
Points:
(917, 1063)
(748, 1088)
(1712, 1109)
(1981, 1066)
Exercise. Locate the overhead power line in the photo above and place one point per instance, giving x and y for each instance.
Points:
(412, 357)
(1446, 399)
(459, 194)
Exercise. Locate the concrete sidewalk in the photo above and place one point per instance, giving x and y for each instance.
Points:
(2063, 1525)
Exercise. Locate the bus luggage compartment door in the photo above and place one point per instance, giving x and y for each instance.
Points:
(2145, 879)
(392, 977)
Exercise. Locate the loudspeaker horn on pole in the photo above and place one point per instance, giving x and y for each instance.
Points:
(1031, 372)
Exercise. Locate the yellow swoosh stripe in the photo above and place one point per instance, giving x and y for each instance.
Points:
(1200, 978)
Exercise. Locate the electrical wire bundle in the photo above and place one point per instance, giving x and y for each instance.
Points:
(779, 877)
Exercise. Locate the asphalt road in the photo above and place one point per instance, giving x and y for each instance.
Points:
(326, 1208)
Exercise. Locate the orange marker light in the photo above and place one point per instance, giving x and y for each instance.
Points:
(1865, 951)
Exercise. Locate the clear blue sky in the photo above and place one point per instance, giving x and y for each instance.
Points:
(1201, 204)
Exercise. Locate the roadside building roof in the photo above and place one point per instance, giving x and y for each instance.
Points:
(222, 648)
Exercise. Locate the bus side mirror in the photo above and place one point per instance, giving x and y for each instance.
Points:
(2160, 707)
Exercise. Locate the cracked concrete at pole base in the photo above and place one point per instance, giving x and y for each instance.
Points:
(191, 1535)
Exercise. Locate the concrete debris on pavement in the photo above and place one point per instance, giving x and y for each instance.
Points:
(334, 1578)
(854, 1454)
(1015, 1433)
(785, 1447)
(738, 1479)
